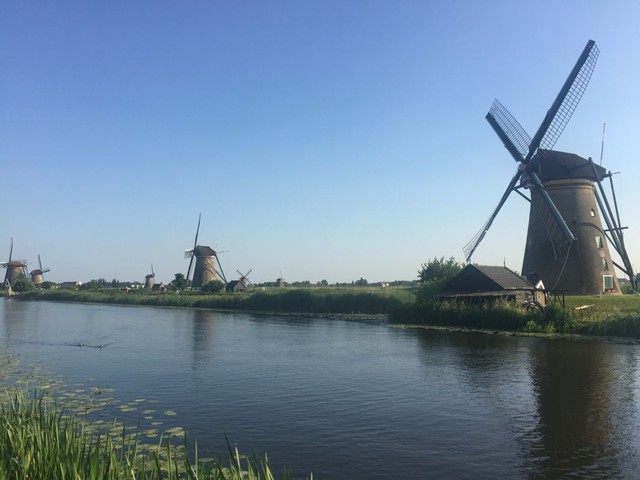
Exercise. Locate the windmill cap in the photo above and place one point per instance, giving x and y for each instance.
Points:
(204, 251)
(554, 165)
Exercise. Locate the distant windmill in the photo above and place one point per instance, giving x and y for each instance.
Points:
(15, 269)
(566, 243)
(206, 259)
(244, 279)
(37, 276)
(149, 279)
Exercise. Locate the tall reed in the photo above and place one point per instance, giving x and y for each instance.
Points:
(39, 440)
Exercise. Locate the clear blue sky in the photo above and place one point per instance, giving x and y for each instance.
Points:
(321, 139)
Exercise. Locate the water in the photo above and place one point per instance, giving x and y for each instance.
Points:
(344, 399)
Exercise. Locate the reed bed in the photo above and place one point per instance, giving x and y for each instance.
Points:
(289, 300)
(38, 439)
(613, 316)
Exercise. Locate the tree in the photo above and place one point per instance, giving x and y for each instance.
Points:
(212, 286)
(179, 283)
(91, 285)
(361, 283)
(438, 270)
(22, 284)
(434, 274)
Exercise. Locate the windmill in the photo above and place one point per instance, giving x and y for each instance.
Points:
(206, 260)
(566, 243)
(37, 275)
(149, 279)
(244, 279)
(15, 269)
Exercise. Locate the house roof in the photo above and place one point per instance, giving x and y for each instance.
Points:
(485, 278)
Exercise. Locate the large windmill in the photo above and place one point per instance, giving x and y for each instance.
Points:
(206, 259)
(566, 244)
(37, 275)
(15, 269)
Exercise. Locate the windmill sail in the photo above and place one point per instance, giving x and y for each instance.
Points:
(526, 151)
(190, 253)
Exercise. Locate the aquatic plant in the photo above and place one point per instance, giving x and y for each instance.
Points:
(38, 439)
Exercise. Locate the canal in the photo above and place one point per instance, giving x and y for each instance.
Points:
(346, 399)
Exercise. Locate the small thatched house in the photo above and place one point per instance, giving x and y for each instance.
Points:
(484, 283)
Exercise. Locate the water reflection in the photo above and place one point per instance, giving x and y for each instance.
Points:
(202, 337)
(569, 405)
(14, 312)
(577, 403)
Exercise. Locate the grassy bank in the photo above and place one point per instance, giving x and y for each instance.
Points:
(303, 300)
(617, 316)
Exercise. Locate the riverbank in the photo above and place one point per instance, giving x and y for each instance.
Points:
(356, 300)
(602, 316)
(605, 316)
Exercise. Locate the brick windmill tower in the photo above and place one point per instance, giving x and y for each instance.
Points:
(567, 243)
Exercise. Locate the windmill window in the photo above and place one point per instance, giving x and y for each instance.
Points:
(593, 212)
(607, 280)
(598, 241)
(605, 264)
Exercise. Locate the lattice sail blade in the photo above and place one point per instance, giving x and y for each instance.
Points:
(513, 135)
(571, 99)
(471, 246)
(566, 102)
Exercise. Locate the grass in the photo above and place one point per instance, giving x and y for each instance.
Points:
(38, 439)
(616, 316)
(344, 300)
(50, 430)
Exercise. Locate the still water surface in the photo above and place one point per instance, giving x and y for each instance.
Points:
(351, 400)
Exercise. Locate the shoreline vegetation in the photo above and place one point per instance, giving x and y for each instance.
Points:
(49, 430)
(316, 300)
(40, 437)
(607, 315)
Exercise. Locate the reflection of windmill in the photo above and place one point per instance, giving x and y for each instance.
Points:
(206, 258)
(37, 276)
(149, 279)
(15, 269)
(566, 246)
(244, 279)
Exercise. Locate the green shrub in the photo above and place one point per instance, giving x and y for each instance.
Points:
(22, 284)
(212, 287)
(555, 317)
